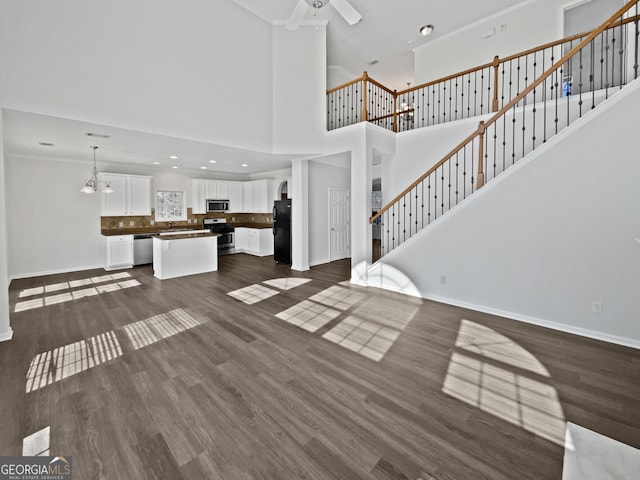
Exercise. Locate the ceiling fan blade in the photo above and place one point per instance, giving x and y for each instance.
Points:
(297, 15)
(345, 9)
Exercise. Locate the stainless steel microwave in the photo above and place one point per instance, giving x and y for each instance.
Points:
(217, 205)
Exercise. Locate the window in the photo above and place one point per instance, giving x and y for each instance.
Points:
(170, 206)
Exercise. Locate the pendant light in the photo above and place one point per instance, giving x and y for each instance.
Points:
(91, 185)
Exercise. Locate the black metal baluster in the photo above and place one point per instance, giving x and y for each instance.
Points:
(464, 173)
(457, 176)
(495, 149)
(428, 199)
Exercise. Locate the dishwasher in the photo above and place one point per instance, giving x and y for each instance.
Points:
(142, 249)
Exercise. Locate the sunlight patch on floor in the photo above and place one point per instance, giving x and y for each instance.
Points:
(256, 293)
(62, 362)
(47, 296)
(286, 283)
(494, 373)
(309, 316)
(253, 294)
(153, 329)
(37, 444)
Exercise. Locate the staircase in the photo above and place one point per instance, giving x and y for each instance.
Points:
(531, 104)
(548, 105)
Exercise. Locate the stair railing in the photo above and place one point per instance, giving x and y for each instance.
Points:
(580, 80)
(476, 91)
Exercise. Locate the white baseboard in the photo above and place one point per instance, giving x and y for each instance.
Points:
(583, 332)
(315, 263)
(5, 336)
(54, 272)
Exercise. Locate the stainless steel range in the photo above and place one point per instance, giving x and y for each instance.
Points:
(226, 243)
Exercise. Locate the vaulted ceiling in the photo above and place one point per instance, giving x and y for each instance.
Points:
(388, 31)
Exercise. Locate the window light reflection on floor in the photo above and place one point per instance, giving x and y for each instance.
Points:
(253, 294)
(98, 287)
(151, 330)
(59, 363)
(495, 374)
(286, 283)
(62, 362)
(370, 338)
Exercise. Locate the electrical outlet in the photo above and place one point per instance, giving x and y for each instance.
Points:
(121, 224)
(152, 223)
(233, 219)
(596, 307)
(443, 280)
(253, 219)
(132, 223)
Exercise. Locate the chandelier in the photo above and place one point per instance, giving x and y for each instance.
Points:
(91, 185)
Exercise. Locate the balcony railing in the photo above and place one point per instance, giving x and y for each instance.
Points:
(486, 88)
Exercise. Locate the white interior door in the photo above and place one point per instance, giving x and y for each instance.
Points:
(339, 231)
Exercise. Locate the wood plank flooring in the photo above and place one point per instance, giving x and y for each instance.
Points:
(175, 379)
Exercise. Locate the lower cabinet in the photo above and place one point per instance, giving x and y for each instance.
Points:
(256, 241)
(118, 252)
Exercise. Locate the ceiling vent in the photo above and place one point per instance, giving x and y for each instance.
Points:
(97, 135)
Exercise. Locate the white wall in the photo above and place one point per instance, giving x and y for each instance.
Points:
(336, 173)
(418, 150)
(192, 69)
(299, 86)
(51, 225)
(527, 25)
(548, 237)
(5, 328)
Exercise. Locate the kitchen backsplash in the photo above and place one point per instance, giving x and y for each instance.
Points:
(114, 223)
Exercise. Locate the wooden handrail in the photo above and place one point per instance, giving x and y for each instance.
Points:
(484, 125)
(345, 85)
(517, 55)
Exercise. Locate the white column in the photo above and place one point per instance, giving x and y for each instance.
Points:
(5, 328)
(300, 215)
(361, 232)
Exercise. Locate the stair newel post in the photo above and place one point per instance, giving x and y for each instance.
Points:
(395, 111)
(365, 113)
(496, 66)
(480, 177)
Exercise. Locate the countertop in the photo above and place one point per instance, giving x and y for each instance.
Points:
(252, 225)
(158, 229)
(185, 235)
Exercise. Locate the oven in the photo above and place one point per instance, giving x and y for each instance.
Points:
(226, 241)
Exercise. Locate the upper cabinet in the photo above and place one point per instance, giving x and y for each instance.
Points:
(131, 195)
(253, 196)
(198, 196)
(236, 196)
(257, 196)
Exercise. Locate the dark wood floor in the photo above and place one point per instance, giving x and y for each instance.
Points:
(200, 385)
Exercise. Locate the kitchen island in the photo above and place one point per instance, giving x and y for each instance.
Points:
(176, 254)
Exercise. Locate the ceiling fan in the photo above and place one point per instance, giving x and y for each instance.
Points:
(343, 7)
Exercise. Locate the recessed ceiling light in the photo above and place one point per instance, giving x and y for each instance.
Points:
(426, 30)
(173, 157)
(203, 168)
(245, 165)
(175, 166)
(46, 144)
(156, 163)
(212, 161)
(97, 135)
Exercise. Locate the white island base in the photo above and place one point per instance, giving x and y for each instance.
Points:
(179, 254)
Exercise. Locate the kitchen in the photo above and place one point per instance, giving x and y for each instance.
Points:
(234, 214)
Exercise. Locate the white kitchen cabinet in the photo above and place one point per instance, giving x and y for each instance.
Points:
(118, 252)
(236, 196)
(217, 189)
(131, 195)
(257, 197)
(198, 196)
(241, 239)
(255, 241)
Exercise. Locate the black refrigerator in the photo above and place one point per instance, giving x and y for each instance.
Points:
(282, 231)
